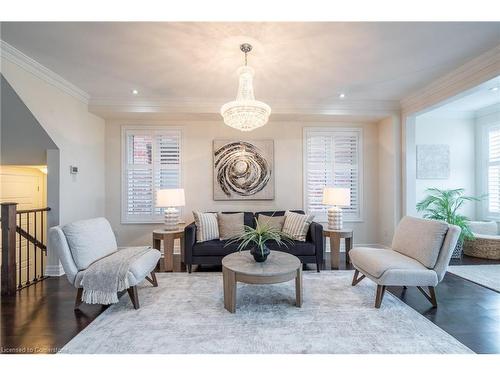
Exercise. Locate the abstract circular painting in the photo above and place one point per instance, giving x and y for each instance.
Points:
(243, 170)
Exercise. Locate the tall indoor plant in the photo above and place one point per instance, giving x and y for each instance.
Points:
(445, 205)
(258, 237)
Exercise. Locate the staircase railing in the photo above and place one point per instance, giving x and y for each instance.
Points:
(23, 247)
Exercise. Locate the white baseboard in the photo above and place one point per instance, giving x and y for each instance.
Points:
(54, 270)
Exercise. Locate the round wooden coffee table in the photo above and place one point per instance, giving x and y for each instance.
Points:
(278, 268)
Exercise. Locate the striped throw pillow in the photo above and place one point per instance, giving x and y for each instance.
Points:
(207, 227)
(296, 225)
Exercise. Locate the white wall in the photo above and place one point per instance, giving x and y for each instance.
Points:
(197, 173)
(78, 134)
(459, 133)
(389, 178)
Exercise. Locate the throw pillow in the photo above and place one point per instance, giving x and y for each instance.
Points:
(297, 225)
(275, 222)
(230, 225)
(206, 226)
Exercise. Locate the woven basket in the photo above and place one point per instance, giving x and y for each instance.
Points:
(487, 248)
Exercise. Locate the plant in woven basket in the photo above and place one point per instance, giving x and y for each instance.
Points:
(258, 237)
(445, 205)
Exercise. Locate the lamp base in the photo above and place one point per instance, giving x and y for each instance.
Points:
(171, 218)
(335, 218)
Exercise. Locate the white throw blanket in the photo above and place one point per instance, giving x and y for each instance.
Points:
(106, 277)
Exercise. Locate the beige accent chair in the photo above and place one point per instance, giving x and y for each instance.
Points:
(419, 255)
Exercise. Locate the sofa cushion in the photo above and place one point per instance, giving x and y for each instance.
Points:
(275, 222)
(207, 227)
(297, 225)
(420, 239)
(484, 227)
(276, 213)
(248, 217)
(299, 248)
(230, 225)
(377, 261)
(214, 248)
(89, 240)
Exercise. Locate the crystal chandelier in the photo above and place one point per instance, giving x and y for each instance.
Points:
(245, 113)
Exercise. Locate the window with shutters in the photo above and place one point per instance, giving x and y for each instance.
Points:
(151, 160)
(493, 172)
(332, 158)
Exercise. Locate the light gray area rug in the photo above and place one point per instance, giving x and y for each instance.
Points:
(485, 274)
(185, 314)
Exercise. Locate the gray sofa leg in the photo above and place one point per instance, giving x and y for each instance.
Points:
(189, 267)
(379, 296)
(152, 280)
(78, 299)
(134, 297)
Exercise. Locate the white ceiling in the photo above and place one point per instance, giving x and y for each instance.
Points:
(295, 63)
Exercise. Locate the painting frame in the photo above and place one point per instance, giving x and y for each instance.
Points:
(265, 151)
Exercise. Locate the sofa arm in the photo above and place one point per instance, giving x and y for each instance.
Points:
(189, 241)
(315, 235)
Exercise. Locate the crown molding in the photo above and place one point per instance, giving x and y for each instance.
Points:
(115, 107)
(494, 108)
(25, 62)
(458, 81)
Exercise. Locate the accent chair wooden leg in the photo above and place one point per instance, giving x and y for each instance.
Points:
(431, 297)
(152, 280)
(379, 296)
(78, 299)
(355, 279)
(134, 297)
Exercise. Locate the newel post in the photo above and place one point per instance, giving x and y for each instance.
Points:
(8, 281)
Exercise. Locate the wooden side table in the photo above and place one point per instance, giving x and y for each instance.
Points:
(168, 237)
(335, 236)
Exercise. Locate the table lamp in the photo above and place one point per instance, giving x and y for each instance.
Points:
(170, 199)
(336, 197)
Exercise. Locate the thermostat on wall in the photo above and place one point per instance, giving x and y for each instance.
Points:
(73, 169)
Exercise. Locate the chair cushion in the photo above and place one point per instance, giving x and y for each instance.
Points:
(230, 225)
(141, 267)
(377, 261)
(388, 267)
(89, 240)
(420, 239)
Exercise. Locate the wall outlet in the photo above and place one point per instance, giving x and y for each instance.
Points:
(73, 169)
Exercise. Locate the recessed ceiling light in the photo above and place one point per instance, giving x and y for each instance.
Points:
(494, 88)
(135, 92)
(342, 96)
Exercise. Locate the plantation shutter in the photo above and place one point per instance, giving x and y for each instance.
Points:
(332, 159)
(494, 171)
(151, 162)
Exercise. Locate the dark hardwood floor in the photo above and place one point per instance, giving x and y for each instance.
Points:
(40, 319)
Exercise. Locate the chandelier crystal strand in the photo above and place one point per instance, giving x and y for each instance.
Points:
(245, 113)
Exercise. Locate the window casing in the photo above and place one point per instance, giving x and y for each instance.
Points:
(151, 160)
(333, 157)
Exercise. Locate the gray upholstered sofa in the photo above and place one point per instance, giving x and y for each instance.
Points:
(419, 256)
(84, 242)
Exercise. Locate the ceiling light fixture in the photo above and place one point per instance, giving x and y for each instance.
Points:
(245, 113)
(135, 92)
(342, 96)
(494, 88)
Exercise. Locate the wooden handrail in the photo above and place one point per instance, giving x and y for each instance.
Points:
(33, 210)
(30, 238)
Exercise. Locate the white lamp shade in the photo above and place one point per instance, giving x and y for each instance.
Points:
(337, 196)
(170, 198)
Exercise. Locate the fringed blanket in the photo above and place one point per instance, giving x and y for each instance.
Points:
(106, 277)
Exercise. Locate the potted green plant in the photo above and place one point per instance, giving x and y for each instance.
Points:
(444, 205)
(258, 237)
